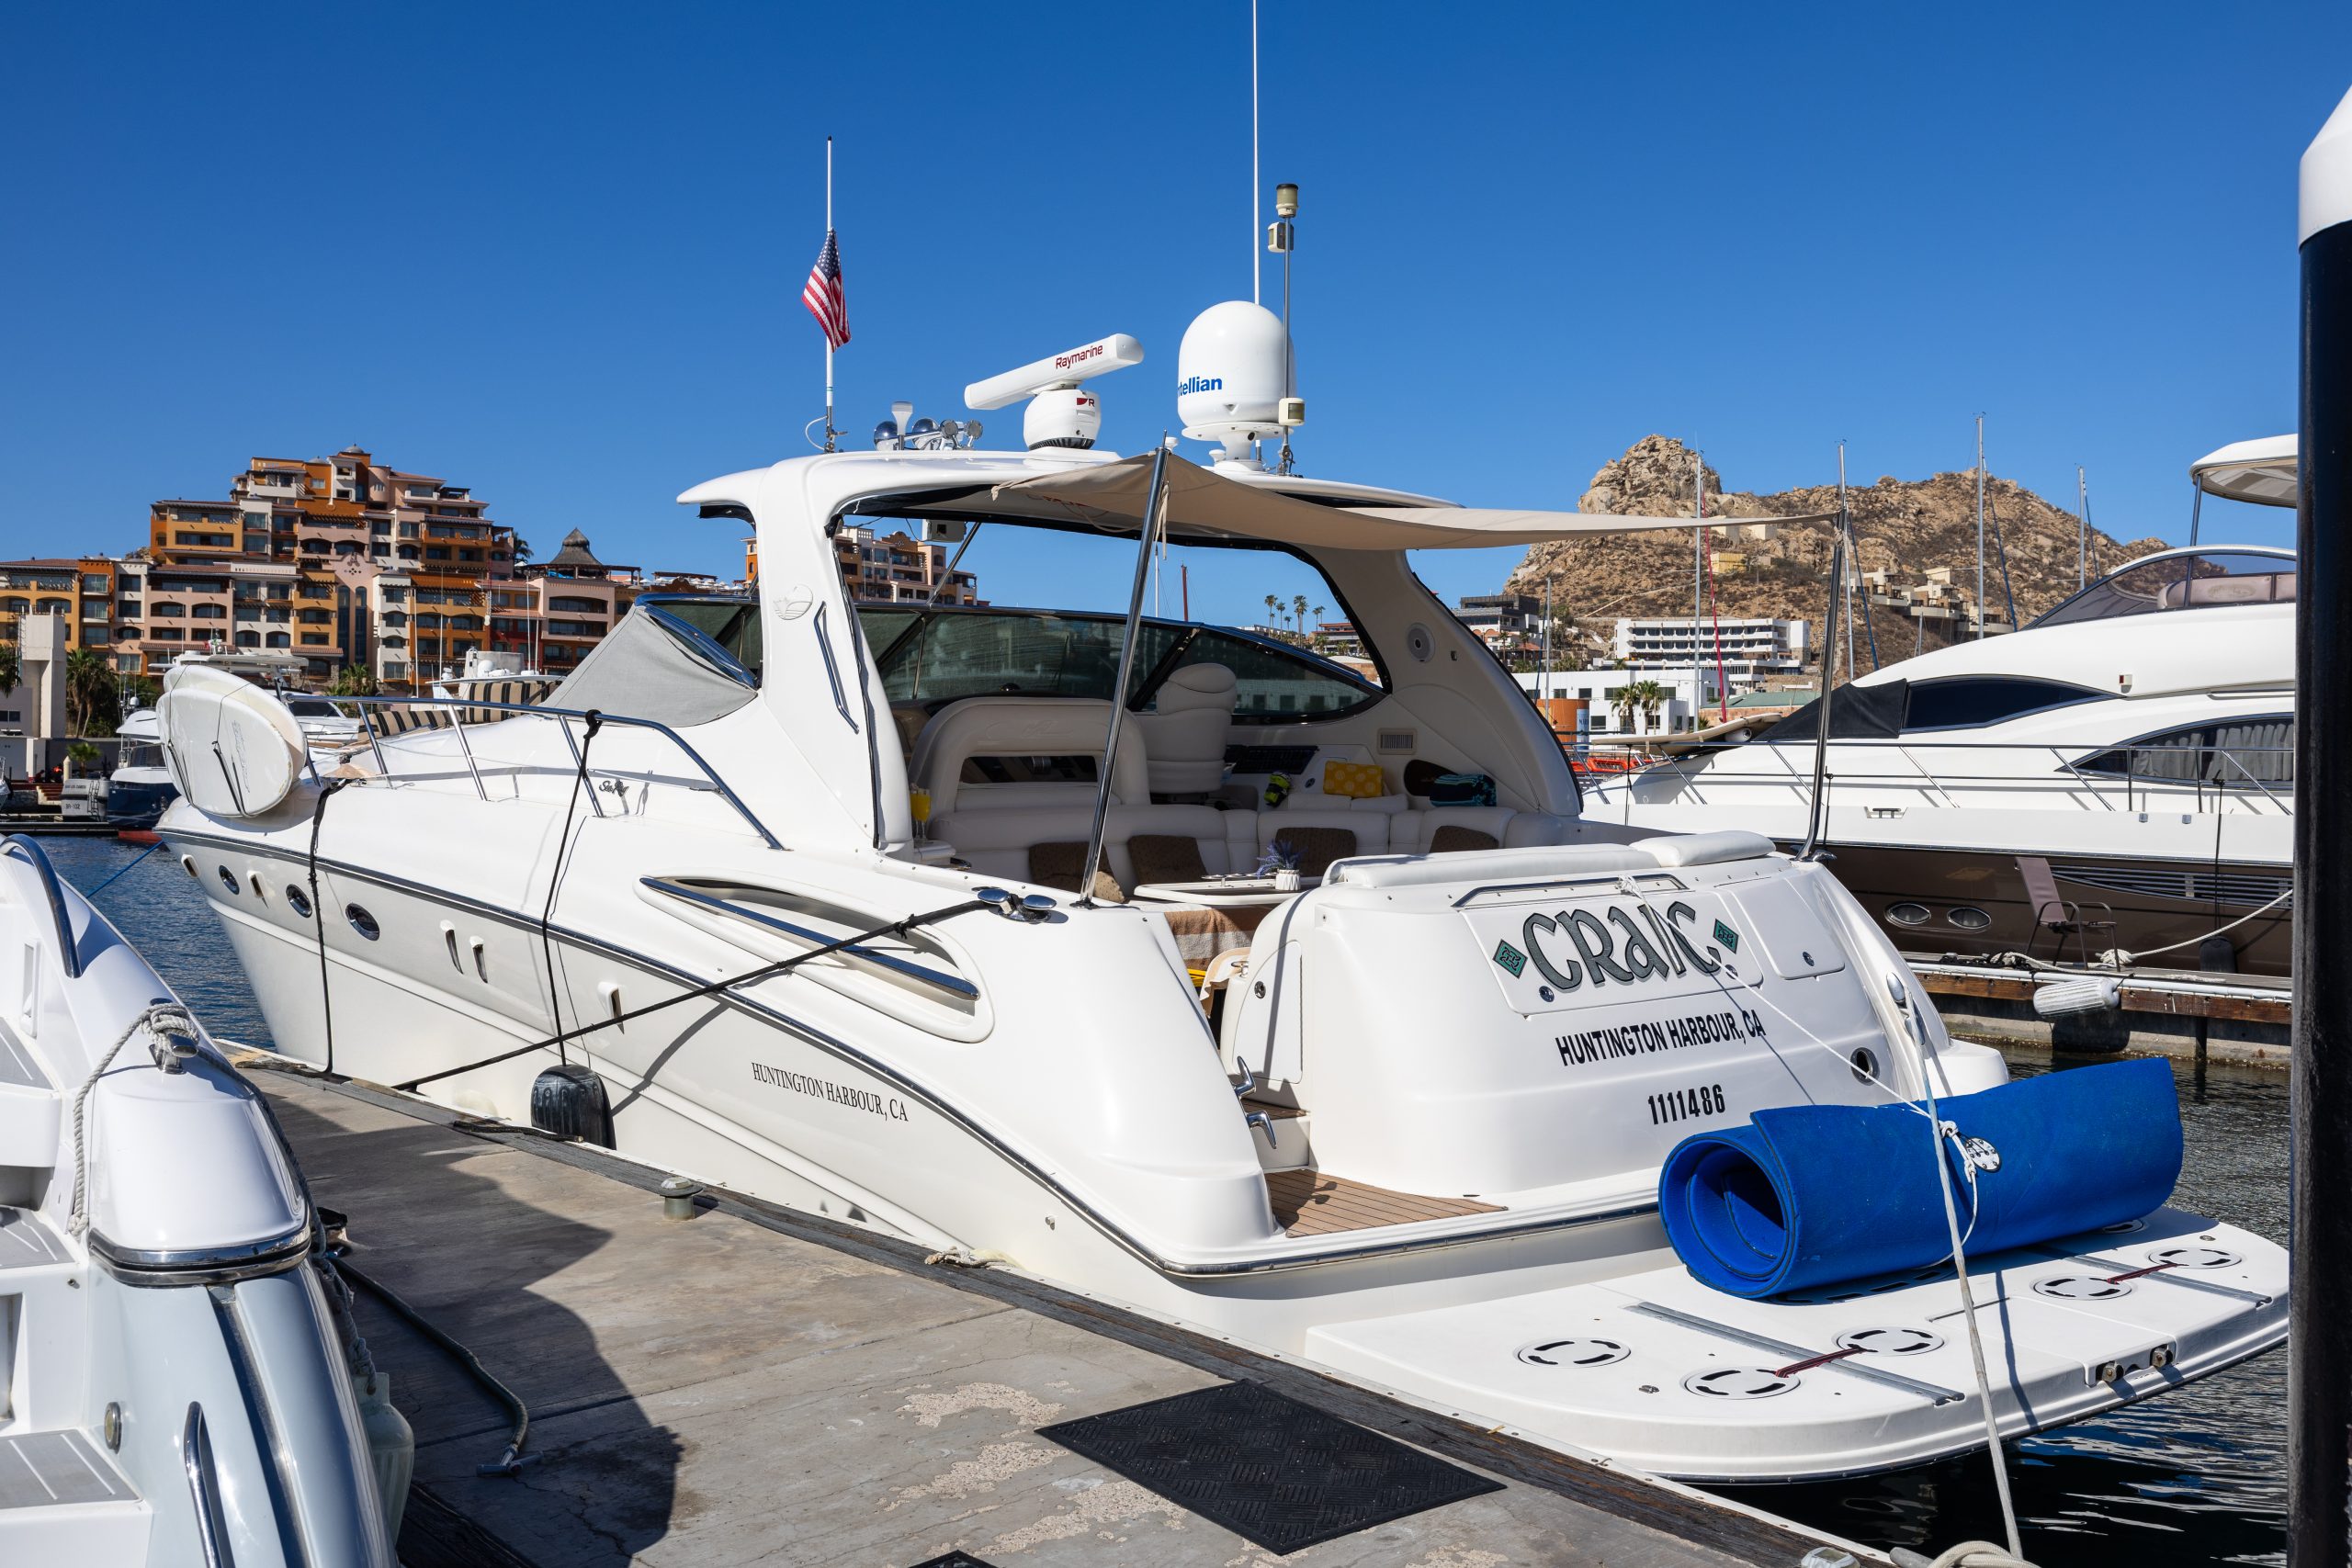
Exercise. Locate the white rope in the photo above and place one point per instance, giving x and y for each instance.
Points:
(161, 1019)
(1894, 1096)
(2123, 956)
(1967, 1554)
(1971, 1553)
(1960, 1267)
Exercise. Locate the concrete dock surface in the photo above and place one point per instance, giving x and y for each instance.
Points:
(758, 1385)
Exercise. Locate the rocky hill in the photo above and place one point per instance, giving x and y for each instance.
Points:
(1902, 527)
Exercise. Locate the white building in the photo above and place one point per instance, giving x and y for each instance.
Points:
(1607, 715)
(1753, 647)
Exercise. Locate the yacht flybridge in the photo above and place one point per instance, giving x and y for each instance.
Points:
(2122, 767)
(1170, 962)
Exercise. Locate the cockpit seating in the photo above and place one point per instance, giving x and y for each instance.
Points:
(1187, 728)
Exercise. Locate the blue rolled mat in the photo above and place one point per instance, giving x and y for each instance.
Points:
(1813, 1195)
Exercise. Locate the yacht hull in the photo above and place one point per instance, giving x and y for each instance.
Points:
(765, 1093)
(771, 1093)
(2161, 908)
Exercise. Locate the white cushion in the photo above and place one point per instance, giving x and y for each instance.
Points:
(1023, 726)
(1191, 719)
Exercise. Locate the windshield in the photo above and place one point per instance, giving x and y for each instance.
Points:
(2191, 580)
(935, 655)
(140, 756)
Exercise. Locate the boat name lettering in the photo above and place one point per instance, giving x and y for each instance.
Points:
(822, 1088)
(1627, 945)
(1650, 1037)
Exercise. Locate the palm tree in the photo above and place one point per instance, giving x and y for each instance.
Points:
(92, 703)
(1273, 608)
(353, 682)
(1648, 695)
(1298, 614)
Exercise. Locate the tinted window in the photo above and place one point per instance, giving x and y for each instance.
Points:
(1984, 699)
(2185, 582)
(1277, 686)
(733, 624)
(2244, 752)
(1035, 654)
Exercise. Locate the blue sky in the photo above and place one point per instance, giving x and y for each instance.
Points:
(556, 252)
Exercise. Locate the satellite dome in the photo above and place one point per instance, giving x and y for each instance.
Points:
(1231, 375)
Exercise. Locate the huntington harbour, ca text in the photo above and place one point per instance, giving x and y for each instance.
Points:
(886, 1106)
(1646, 1038)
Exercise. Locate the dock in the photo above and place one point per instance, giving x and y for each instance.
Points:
(2243, 1020)
(759, 1385)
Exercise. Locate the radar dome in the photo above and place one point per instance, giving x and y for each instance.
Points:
(1062, 416)
(1231, 372)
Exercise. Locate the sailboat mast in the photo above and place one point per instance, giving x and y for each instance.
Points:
(1698, 586)
(1980, 527)
(2082, 529)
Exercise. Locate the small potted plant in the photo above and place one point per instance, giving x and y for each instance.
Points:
(1281, 863)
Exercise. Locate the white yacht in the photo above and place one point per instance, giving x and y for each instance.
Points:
(1397, 1105)
(139, 787)
(175, 1390)
(2119, 774)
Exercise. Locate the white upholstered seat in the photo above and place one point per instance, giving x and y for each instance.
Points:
(1187, 727)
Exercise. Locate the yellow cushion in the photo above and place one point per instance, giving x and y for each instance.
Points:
(1362, 781)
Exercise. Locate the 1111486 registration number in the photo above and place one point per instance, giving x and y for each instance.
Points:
(1682, 1104)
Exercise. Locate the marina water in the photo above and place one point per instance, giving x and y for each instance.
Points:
(2195, 1477)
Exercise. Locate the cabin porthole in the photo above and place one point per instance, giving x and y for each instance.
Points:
(298, 902)
(1908, 914)
(362, 921)
(229, 880)
(1968, 917)
(1865, 1064)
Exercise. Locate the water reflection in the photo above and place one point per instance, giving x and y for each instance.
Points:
(2198, 1476)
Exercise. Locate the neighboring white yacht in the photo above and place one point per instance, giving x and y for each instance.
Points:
(174, 1390)
(2119, 774)
(1397, 1105)
(139, 787)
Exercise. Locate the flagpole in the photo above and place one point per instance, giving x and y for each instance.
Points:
(830, 431)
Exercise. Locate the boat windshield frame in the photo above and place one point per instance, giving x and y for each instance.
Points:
(2106, 600)
(1149, 678)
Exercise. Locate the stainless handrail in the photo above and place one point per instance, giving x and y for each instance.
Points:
(940, 980)
(529, 710)
(60, 918)
(2067, 777)
(204, 1490)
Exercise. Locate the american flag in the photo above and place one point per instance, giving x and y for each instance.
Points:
(823, 294)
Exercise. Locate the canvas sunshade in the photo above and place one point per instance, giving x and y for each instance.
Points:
(1206, 504)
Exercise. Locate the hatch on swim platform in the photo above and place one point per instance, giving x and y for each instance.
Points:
(232, 749)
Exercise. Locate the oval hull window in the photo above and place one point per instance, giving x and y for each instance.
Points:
(362, 921)
(1907, 914)
(298, 902)
(1968, 917)
(229, 880)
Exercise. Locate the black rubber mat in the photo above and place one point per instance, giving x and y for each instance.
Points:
(1271, 1469)
(954, 1560)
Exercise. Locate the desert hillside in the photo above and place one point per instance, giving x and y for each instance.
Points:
(1902, 527)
